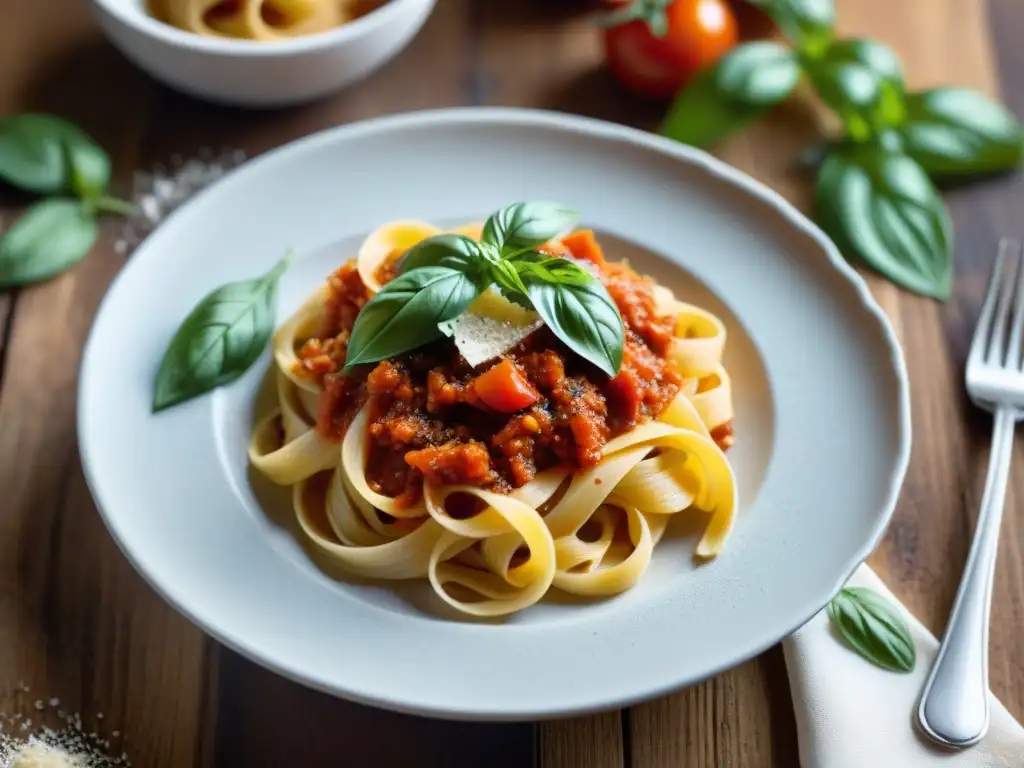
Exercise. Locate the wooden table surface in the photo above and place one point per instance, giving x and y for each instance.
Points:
(77, 623)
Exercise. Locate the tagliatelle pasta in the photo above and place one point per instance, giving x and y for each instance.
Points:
(499, 482)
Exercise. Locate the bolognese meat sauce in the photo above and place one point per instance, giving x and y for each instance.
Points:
(433, 416)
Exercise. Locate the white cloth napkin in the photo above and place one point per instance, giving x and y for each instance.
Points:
(851, 714)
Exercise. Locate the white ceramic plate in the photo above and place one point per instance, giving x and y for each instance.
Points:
(822, 417)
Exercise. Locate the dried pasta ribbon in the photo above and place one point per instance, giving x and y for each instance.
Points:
(261, 20)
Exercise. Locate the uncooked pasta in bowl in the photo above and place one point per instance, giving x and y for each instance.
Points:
(261, 53)
(260, 20)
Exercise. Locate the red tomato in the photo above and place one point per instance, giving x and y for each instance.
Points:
(505, 389)
(699, 32)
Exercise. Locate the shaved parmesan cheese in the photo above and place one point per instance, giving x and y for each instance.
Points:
(491, 326)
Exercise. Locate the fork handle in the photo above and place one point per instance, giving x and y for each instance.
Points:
(954, 702)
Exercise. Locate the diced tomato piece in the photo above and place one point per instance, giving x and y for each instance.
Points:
(505, 389)
(584, 246)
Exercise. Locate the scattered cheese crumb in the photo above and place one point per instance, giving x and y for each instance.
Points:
(161, 190)
(40, 756)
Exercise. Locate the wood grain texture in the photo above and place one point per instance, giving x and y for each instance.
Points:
(595, 741)
(78, 623)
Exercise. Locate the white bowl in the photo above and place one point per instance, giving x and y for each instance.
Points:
(261, 74)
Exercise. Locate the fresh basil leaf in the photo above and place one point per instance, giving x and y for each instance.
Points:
(887, 109)
(583, 316)
(405, 313)
(49, 238)
(29, 161)
(88, 168)
(956, 131)
(760, 74)
(528, 255)
(808, 23)
(453, 251)
(46, 155)
(872, 54)
(872, 627)
(527, 225)
(724, 97)
(845, 84)
(222, 336)
(508, 280)
(555, 270)
(881, 206)
(854, 91)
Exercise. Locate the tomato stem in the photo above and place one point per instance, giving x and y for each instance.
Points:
(651, 12)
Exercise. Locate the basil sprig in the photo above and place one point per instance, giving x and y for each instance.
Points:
(441, 276)
(871, 626)
(218, 341)
(875, 195)
(46, 155)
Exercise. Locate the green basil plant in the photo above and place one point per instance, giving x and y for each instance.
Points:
(875, 194)
(45, 155)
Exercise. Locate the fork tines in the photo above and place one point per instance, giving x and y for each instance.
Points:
(1002, 313)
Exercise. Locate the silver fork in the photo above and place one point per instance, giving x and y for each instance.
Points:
(954, 702)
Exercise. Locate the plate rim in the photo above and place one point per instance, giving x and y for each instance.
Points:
(602, 129)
